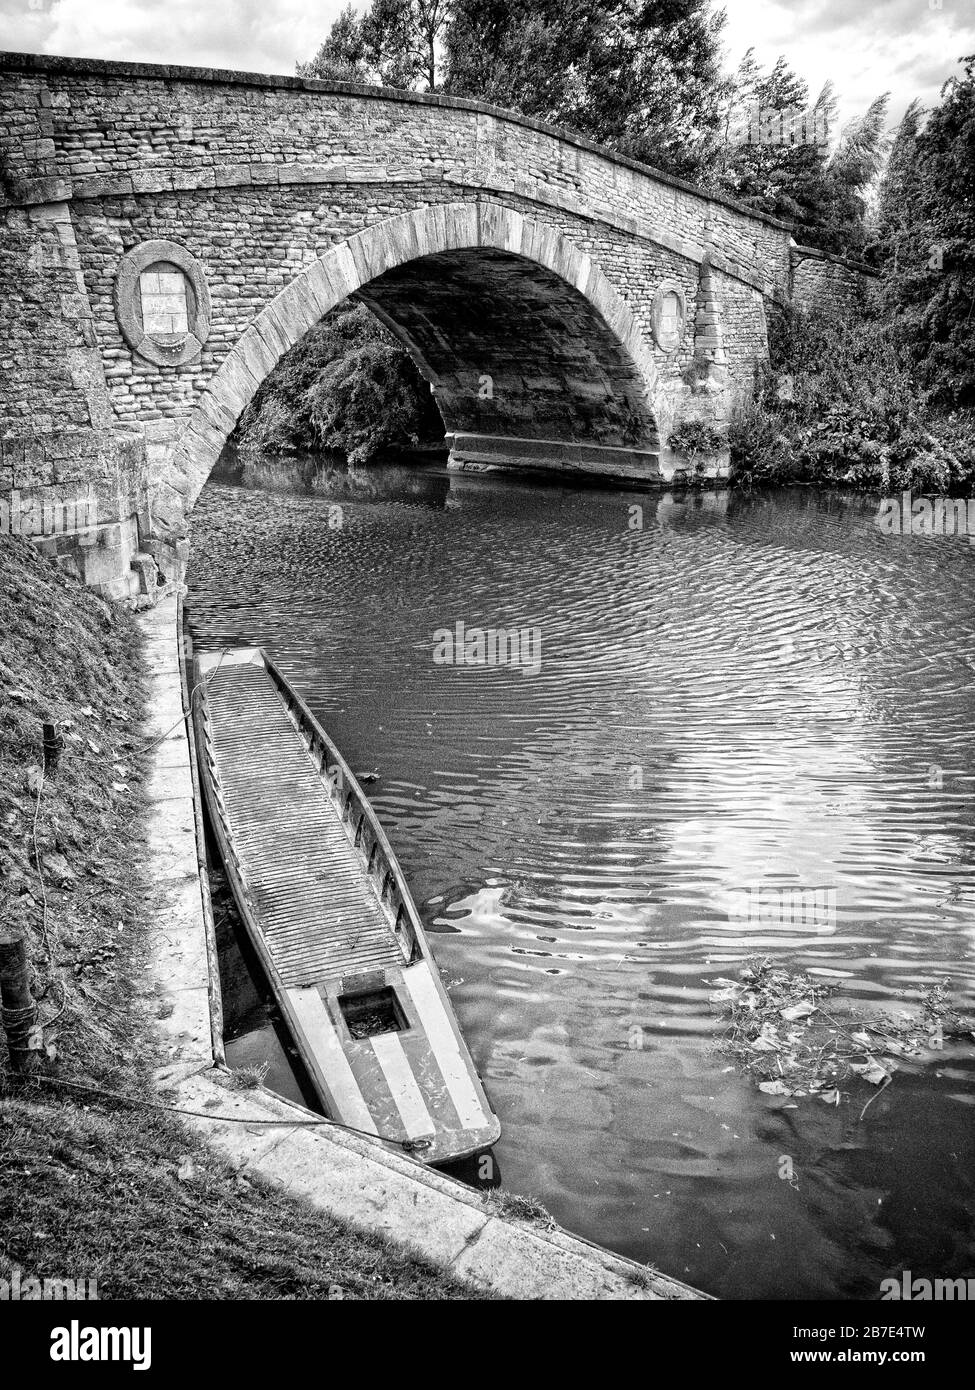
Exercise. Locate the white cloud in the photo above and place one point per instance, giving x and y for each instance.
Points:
(252, 35)
(906, 47)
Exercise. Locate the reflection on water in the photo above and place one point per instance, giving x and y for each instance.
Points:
(735, 691)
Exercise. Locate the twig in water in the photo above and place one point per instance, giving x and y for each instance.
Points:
(882, 1087)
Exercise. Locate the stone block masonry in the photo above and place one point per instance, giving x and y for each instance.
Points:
(61, 445)
(168, 233)
(820, 280)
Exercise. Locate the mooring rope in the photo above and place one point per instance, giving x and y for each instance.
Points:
(45, 932)
(203, 681)
(407, 1144)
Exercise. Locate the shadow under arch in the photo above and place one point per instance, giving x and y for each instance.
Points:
(448, 239)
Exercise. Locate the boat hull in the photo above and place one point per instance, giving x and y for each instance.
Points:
(328, 911)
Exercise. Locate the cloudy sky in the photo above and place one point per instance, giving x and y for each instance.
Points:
(907, 47)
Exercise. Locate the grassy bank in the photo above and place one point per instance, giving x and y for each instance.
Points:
(91, 1187)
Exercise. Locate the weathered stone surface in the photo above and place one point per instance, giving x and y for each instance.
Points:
(818, 278)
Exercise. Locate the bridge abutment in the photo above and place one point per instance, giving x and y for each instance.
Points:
(72, 479)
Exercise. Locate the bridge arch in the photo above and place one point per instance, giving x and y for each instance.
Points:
(438, 252)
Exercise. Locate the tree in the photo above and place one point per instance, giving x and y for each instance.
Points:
(774, 144)
(428, 23)
(642, 76)
(348, 385)
(395, 43)
(343, 54)
(897, 199)
(519, 56)
(774, 155)
(855, 166)
(926, 240)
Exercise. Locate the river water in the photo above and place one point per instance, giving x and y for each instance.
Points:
(734, 690)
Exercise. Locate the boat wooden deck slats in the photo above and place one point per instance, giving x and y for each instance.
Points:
(412, 1082)
(331, 917)
(321, 916)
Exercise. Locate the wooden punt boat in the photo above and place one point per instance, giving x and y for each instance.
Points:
(331, 917)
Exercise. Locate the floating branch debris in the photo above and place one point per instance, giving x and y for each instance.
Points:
(797, 1038)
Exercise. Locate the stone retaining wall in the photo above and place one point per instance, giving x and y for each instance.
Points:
(820, 280)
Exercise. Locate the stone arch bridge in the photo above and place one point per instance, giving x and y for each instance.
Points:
(167, 234)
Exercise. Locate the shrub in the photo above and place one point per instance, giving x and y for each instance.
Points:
(696, 441)
(840, 404)
(348, 385)
(760, 451)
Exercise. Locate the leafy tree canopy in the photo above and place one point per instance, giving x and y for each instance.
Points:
(348, 385)
(643, 76)
(925, 242)
(779, 152)
(394, 43)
